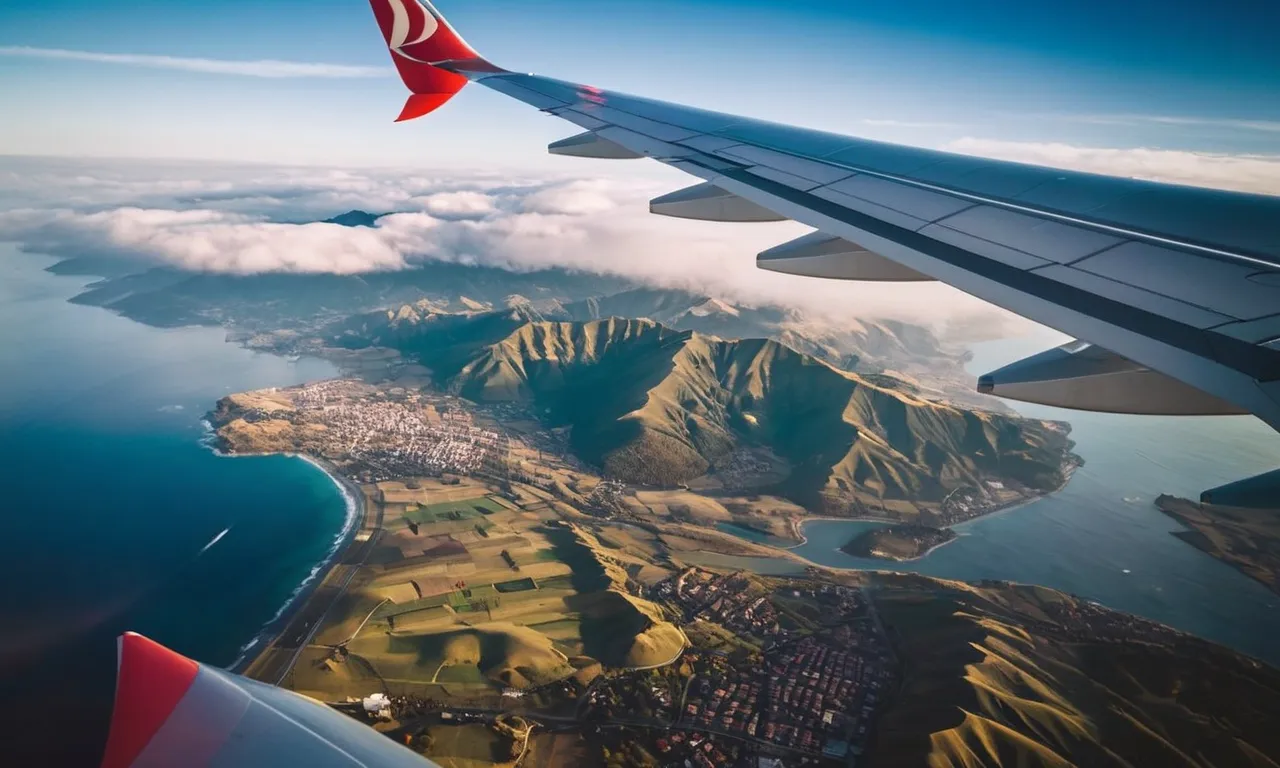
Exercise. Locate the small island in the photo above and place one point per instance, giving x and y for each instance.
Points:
(898, 542)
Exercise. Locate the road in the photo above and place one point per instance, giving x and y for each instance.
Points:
(278, 658)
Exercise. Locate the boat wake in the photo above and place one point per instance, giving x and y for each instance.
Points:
(213, 541)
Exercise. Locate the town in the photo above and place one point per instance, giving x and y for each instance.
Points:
(385, 433)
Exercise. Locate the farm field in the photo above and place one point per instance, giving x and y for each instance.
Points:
(468, 594)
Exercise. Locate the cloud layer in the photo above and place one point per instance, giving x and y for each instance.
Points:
(269, 68)
(254, 219)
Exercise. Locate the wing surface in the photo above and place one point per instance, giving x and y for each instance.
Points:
(172, 711)
(1178, 281)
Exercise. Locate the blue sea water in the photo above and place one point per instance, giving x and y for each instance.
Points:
(1101, 537)
(110, 494)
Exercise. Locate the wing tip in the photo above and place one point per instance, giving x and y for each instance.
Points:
(419, 104)
(150, 681)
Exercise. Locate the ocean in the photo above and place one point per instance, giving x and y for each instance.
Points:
(118, 516)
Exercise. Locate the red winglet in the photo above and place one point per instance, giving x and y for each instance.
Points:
(418, 38)
(150, 681)
(420, 104)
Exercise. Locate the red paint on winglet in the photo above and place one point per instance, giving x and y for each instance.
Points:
(418, 38)
(420, 104)
(150, 682)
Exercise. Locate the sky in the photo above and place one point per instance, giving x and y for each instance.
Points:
(215, 136)
(1177, 75)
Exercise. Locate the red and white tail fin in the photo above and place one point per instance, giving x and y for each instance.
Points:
(419, 38)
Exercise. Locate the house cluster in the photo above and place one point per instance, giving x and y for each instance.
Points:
(644, 695)
(813, 695)
(695, 749)
(727, 600)
(396, 433)
(822, 696)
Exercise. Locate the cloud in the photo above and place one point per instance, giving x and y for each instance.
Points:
(576, 198)
(1241, 173)
(1235, 124)
(460, 203)
(889, 123)
(253, 219)
(269, 68)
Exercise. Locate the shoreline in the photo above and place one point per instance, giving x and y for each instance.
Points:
(798, 523)
(354, 503)
(270, 632)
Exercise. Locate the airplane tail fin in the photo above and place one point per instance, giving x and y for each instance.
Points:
(419, 38)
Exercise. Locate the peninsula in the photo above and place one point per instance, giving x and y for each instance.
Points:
(1246, 539)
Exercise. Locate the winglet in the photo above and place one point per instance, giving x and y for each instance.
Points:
(150, 681)
(419, 38)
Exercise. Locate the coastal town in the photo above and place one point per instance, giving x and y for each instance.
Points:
(377, 433)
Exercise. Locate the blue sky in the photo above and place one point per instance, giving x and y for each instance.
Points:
(1175, 75)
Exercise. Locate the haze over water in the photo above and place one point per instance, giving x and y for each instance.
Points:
(110, 496)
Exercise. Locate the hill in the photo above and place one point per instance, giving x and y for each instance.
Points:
(910, 353)
(651, 404)
(1008, 675)
(168, 297)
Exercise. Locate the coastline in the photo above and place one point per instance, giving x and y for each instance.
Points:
(355, 511)
(270, 631)
(798, 523)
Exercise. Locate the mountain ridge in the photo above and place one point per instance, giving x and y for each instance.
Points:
(662, 406)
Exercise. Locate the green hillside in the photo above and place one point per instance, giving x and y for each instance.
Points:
(654, 405)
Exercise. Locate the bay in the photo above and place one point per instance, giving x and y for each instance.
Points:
(112, 499)
(1102, 537)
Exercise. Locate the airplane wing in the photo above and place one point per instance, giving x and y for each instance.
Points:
(1174, 290)
(171, 711)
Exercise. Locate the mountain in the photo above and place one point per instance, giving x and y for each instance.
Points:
(168, 297)
(652, 404)
(906, 351)
(355, 218)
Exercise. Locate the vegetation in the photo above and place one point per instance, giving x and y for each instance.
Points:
(1005, 675)
(654, 405)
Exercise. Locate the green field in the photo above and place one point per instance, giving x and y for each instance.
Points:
(463, 598)
(465, 509)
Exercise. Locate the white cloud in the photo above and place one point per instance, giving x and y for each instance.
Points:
(576, 198)
(890, 123)
(463, 202)
(1235, 124)
(1242, 173)
(269, 68)
(238, 220)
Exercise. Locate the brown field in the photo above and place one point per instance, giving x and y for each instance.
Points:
(556, 750)
(468, 746)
